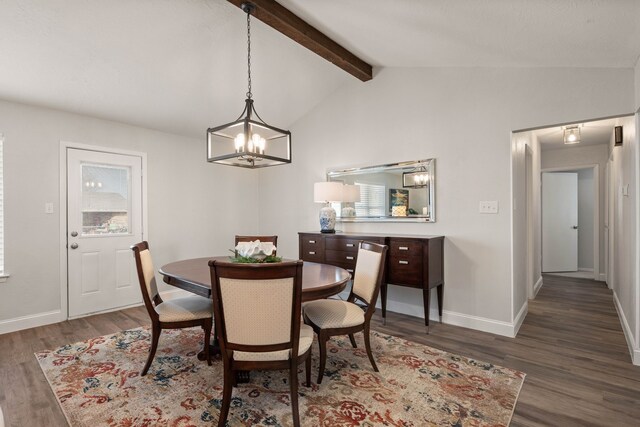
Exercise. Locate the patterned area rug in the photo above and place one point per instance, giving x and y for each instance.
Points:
(97, 383)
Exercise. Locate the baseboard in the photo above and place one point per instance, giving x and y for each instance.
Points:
(537, 286)
(602, 277)
(633, 351)
(588, 270)
(483, 324)
(517, 322)
(30, 321)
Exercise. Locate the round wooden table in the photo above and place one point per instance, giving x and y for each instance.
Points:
(193, 275)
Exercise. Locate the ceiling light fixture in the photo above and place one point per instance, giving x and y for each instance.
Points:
(571, 135)
(248, 141)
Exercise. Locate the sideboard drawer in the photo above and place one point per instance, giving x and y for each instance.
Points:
(406, 270)
(404, 248)
(338, 244)
(342, 258)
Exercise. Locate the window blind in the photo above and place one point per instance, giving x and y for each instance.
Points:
(371, 200)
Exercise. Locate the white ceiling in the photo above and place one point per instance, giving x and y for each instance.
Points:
(179, 66)
(591, 133)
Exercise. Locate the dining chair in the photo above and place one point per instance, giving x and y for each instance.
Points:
(268, 239)
(176, 313)
(257, 312)
(332, 317)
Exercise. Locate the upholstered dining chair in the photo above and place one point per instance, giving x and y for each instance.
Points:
(332, 317)
(177, 313)
(257, 312)
(267, 239)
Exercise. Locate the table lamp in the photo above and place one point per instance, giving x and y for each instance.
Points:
(327, 192)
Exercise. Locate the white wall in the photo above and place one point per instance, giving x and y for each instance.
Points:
(583, 156)
(637, 83)
(195, 207)
(586, 207)
(625, 256)
(463, 117)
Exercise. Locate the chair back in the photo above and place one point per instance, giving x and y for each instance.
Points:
(268, 239)
(257, 306)
(146, 276)
(369, 273)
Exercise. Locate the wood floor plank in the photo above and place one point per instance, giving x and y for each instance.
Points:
(571, 346)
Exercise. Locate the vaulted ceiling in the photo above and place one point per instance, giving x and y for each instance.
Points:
(180, 66)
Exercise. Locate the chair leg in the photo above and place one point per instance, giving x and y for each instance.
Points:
(155, 337)
(293, 380)
(353, 341)
(207, 339)
(367, 344)
(322, 342)
(307, 366)
(227, 389)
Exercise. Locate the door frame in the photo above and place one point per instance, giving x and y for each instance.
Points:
(596, 213)
(64, 145)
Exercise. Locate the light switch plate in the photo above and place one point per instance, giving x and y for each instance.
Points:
(625, 190)
(48, 208)
(488, 206)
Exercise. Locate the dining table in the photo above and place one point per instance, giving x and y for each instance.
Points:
(318, 281)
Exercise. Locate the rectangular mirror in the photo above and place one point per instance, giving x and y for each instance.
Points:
(395, 192)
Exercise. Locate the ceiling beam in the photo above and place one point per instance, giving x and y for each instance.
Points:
(282, 19)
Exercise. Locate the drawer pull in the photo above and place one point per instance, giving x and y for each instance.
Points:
(403, 262)
(312, 241)
(349, 245)
(403, 248)
(312, 253)
(349, 257)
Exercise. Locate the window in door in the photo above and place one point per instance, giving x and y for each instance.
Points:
(106, 199)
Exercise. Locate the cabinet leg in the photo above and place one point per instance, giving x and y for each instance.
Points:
(383, 296)
(440, 299)
(426, 294)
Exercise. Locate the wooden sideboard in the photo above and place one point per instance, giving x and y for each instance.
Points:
(413, 261)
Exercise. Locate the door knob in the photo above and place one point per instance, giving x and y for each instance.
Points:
(74, 234)
(575, 227)
(74, 246)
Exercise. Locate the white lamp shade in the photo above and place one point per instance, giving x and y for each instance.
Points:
(327, 191)
(351, 193)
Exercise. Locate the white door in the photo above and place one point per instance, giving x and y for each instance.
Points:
(559, 221)
(104, 218)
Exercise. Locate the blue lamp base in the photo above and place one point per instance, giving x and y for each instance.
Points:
(327, 220)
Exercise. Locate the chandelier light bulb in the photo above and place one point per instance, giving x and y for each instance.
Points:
(572, 137)
(239, 142)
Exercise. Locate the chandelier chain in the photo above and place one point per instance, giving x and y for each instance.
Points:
(249, 95)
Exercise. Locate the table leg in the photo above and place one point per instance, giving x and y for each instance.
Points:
(383, 296)
(426, 294)
(440, 299)
(242, 377)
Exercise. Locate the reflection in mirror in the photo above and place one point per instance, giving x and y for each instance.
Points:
(395, 192)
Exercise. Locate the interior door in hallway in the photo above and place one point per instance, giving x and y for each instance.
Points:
(104, 218)
(559, 221)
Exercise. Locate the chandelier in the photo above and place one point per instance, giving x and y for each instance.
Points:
(248, 142)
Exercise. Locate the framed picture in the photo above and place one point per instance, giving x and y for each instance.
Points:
(398, 197)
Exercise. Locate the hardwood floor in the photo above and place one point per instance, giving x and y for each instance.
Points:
(570, 345)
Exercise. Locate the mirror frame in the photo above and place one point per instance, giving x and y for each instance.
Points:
(334, 174)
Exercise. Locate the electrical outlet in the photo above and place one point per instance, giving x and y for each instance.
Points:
(488, 207)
